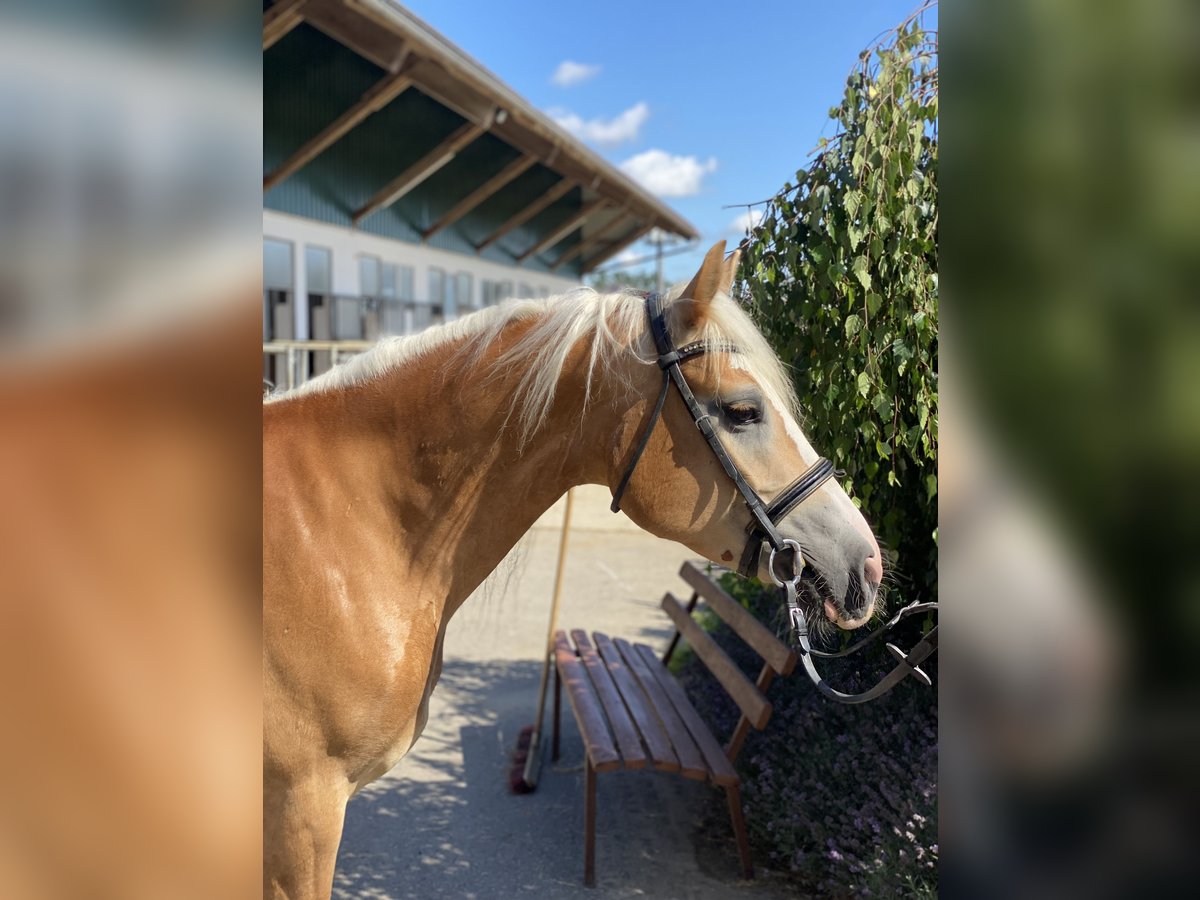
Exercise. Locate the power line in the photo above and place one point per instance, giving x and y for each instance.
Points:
(624, 264)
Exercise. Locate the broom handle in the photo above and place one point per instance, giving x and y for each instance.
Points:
(558, 582)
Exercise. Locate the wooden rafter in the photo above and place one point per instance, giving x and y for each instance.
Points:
(555, 193)
(509, 173)
(616, 247)
(374, 99)
(589, 242)
(424, 167)
(378, 31)
(561, 231)
(281, 18)
(346, 26)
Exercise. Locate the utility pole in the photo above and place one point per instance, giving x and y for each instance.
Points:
(659, 239)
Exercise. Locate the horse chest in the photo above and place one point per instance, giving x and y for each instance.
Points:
(413, 718)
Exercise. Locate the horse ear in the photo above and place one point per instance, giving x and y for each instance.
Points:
(696, 298)
(729, 273)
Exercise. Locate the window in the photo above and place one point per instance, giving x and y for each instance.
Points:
(524, 291)
(492, 292)
(466, 291)
(318, 280)
(277, 290)
(437, 294)
(391, 307)
(370, 276)
(451, 292)
(318, 270)
(404, 283)
(277, 265)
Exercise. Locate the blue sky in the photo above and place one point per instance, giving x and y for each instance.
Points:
(731, 96)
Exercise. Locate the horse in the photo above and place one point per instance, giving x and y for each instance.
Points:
(396, 482)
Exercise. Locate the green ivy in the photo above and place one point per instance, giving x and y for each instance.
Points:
(841, 274)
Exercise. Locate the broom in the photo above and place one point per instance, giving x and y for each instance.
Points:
(527, 758)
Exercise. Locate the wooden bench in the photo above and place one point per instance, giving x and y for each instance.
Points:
(632, 712)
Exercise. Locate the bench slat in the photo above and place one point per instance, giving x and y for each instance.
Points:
(589, 715)
(722, 769)
(753, 705)
(774, 652)
(628, 742)
(639, 707)
(692, 764)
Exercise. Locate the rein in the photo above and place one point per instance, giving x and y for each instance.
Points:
(765, 517)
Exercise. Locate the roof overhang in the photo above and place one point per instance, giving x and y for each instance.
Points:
(614, 211)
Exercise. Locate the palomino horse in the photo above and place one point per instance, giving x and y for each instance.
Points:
(394, 484)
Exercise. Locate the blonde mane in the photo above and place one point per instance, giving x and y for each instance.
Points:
(615, 324)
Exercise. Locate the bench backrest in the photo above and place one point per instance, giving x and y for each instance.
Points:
(778, 658)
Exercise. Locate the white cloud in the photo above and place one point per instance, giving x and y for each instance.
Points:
(570, 73)
(668, 175)
(747, 220)
(627, 257)
(606, 132)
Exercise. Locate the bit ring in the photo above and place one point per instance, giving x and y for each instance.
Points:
(797, 562)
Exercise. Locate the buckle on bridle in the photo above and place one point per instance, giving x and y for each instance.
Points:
(907, 664)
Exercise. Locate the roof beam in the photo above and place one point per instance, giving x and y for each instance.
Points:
(588, 243)
(509, 173)
(372, 101)
(437, 83)
(381, 46)
(375, 28)
(616, 247)
(427, 165)
(525, 129)
(555, 193)
(564, 229)
(281, 18)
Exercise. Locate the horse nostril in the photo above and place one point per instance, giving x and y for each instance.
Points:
(873, 569)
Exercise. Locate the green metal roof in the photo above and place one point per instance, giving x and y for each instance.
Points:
(310, 79)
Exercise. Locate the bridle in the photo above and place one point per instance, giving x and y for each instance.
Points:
(765, 517)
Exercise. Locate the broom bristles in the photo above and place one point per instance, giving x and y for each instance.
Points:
(516, 775)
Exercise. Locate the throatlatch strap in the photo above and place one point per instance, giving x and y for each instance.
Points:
(642, 442)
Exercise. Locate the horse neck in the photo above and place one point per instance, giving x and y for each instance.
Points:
(460, 487)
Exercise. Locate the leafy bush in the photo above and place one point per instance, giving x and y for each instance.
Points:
(843, 798)
(841, 275)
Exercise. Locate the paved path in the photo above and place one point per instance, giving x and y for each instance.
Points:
(443, 824)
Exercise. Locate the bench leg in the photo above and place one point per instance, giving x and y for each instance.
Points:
(589, 825)
(557, 713)
(734, 794)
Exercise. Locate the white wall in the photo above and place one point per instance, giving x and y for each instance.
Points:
(348, 244)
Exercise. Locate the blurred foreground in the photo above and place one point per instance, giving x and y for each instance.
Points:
(1071, 438)
(129, 464)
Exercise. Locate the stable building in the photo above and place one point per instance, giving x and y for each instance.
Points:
(404, 185)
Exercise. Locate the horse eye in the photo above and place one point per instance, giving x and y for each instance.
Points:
(742, 413)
